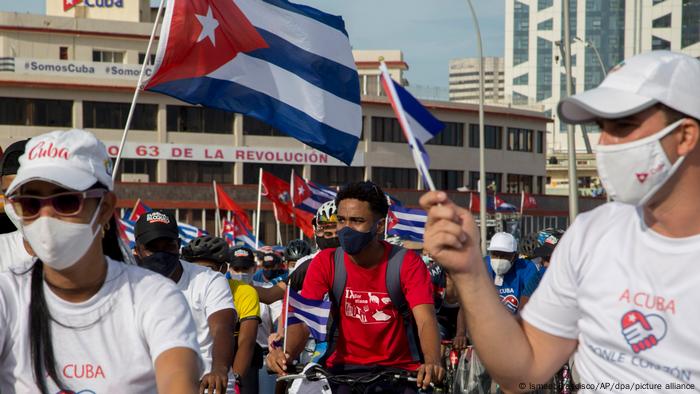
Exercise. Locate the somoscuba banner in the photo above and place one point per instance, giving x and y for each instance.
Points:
(231, 154)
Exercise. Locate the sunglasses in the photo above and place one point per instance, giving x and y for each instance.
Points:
(64, 204)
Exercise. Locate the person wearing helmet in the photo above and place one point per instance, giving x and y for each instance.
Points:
(207, 293)
(295, 250)
(515, 278)
(249, 358)
(547, 240)
(272, 271)
(207, 251)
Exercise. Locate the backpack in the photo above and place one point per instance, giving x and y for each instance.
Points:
(393, 285)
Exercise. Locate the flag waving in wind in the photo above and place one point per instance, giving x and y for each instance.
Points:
(227, 203)
(418, 125)
(286, 64)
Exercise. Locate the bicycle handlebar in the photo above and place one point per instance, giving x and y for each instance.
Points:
(317, 373)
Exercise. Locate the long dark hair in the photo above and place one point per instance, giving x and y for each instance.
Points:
(40, 338)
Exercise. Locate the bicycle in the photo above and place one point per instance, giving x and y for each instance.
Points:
(314, 379)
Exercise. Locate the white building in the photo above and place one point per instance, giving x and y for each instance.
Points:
(616, 29)
(464, 80)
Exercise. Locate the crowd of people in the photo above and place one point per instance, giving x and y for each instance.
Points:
(207, 317)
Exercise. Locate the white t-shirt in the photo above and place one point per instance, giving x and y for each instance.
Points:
(13, 254)
(116, 337)
(207, 292)
(629, 296)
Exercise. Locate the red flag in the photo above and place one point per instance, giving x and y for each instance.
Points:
(227, 203)
(277, 191)
(527, 201)
(474, 202)
(199, 36)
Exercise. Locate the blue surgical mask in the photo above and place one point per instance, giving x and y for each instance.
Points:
(353, 241)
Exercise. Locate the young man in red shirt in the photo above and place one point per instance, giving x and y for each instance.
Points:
(370, 328)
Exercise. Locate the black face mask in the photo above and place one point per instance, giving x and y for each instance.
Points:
(163, 263)
(325, 243)
(271, 274)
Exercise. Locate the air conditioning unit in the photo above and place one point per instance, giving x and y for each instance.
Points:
(141, 178)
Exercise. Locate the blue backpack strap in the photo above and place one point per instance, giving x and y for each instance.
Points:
(393, 285)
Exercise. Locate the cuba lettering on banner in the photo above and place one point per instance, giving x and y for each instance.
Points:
(156, 151)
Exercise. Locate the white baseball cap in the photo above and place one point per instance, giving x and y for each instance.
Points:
(636, 84)
(503, 242)
(74, 159)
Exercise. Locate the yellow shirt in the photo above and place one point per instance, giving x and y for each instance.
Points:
(245, 300)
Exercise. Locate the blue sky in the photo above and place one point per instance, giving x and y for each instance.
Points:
(429, 32)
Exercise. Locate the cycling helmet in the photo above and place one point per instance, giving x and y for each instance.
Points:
(550, 236)
(270, 260)
(206, 247)
(296, 249)
(528, 244)
(327, 212)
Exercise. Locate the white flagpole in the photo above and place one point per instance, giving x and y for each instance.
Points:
(386, 219)
(257, 218)
(417, 157)
(137, 91)
(277, 221)
(217, 215)
(522, 202)
(291, 194)
(286, 323)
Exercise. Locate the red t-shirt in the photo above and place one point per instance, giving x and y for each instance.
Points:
(371, 330)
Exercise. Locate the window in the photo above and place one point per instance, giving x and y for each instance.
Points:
(370, 85)
(199, 120)
(659, 43)
(690, 28)
(547, 25)
(493, 181)
(452, 135)
(36, 112)
(519, 139)
(492, 134)
(519, 183)
(521, 80)
(142, 57)
(520, 99)
(63, 53)
(107, 56)
(664, 21)
(447, 179)
(540, 185)
(336, 175)
(543, 4)
(252, 126)
(386, 130)
(104, 115)
(251, 171)
(540, 141)
(398, 178)
(544, 69)
(200, 171)
(137, 166)
(521, 33)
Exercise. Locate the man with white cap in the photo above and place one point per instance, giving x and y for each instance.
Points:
(621, 290)
(515, 279)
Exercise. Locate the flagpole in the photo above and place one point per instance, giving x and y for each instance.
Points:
(257, 218)
(386, 219)
(137, 91)
(138, 201)
(277, 221)
(522, 202)
(291, 194)
(217, 215)
(417, 157)
(286, 323)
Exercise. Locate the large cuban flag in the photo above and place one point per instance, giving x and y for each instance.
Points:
(289, 65)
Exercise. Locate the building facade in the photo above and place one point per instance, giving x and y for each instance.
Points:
(464, 80)
(603, 33)
(61, 72)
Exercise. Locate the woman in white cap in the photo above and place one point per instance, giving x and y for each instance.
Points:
(79, 320)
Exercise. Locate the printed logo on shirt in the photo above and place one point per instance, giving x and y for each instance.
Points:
(642, 332)
(83, 391)
(649, 301)
(83, 371)
(369, 307)
(511, 302)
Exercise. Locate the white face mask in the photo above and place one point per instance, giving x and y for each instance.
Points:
(500, 266)
(60, 244)
(633, 172)
(12, 215)
(243, 277)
